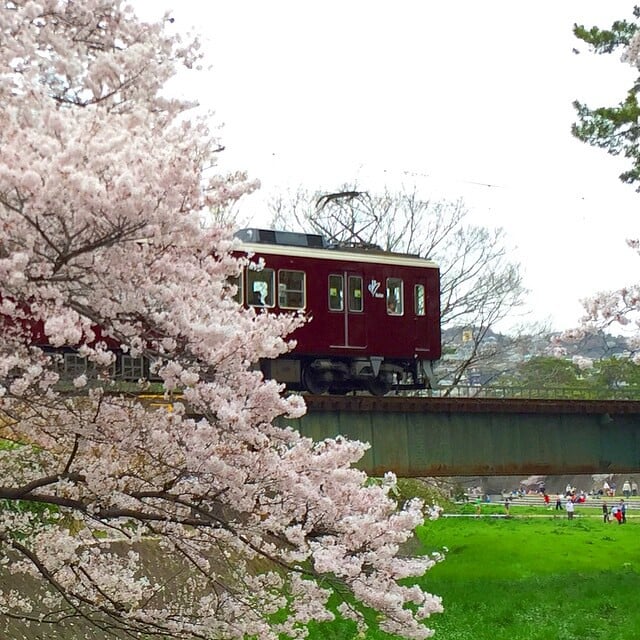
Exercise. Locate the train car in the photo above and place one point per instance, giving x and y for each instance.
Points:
(373, 316)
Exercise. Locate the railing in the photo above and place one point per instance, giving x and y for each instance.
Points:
(154, 388)
(558, 393)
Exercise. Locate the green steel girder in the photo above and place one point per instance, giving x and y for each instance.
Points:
(416, 437)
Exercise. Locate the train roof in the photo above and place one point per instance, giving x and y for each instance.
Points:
(306, 245)
(286, 238)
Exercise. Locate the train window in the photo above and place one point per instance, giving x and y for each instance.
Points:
(355, 293)
(74, 365)
(419, 300)
(336, 293)
(131, 368)
(260, 287)
(394, 297)
(291, 289)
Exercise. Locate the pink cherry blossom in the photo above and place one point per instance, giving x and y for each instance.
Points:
(193, 514)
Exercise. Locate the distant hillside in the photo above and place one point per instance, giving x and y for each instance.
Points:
(594, 346)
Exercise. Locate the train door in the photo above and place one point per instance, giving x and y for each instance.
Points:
(421, 333)
(347, 321)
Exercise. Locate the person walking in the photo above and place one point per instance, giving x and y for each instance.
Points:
(623, 511)
(570, 508)
(605, 512)
(558, 502)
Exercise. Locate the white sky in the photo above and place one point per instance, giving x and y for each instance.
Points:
(445, 96)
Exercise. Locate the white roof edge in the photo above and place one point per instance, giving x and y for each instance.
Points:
(337, 254)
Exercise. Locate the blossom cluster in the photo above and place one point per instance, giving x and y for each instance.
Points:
(104, 186)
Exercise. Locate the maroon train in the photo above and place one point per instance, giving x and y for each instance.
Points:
(374, 316)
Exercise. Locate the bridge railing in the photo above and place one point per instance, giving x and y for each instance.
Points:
(529, 393)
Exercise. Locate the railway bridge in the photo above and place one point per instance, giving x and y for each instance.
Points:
(435, 436)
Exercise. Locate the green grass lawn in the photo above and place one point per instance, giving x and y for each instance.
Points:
(533, 576)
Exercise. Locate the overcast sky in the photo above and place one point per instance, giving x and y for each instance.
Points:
(466, 99)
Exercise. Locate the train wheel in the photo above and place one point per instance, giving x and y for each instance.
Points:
(379, 386)
(314, 381)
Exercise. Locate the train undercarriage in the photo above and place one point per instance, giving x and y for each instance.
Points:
(340, 376)
(316, 375)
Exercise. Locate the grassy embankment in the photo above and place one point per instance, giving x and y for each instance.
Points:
(530, 578)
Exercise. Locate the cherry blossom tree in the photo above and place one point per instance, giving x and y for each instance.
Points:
(198, 519)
